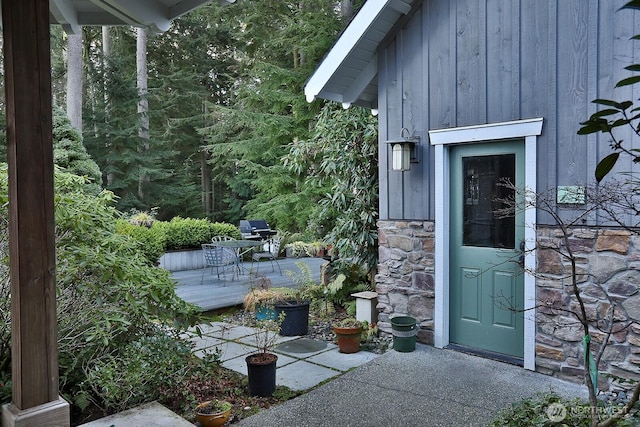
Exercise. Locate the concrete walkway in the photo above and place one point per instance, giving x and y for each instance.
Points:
(427, 387)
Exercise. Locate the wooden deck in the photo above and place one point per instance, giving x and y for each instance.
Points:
(205, 290)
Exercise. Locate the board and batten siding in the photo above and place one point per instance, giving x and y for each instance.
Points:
(454, 63)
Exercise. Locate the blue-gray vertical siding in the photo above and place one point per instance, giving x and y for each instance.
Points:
(466, 62)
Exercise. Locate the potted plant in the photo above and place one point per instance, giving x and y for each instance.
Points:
(260, 300)
(213, 413)
(348, 334)
(296, 249)
(261, 366)
(296, 307)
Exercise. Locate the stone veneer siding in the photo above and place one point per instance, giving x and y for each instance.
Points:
(405, 282)
(607, 260)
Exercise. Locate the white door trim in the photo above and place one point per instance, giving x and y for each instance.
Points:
(442, 139)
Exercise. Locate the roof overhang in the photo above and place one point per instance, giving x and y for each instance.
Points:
(348, 73)
(154, 15)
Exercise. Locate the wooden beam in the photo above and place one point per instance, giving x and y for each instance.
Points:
(34, 352)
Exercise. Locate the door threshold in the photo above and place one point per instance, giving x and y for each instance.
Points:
(512, 360)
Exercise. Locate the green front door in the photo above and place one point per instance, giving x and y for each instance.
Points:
(486, 283)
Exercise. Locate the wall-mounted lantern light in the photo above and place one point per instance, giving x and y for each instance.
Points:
(404, 150)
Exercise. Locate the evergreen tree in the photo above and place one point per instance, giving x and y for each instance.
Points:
(111, 121)
(191, 65)
(69, 152)
(280, 43)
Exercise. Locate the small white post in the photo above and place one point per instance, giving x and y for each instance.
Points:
(366, 306)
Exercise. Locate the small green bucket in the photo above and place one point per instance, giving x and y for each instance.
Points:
(404, 333)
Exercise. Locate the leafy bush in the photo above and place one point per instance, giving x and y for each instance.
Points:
(5, 387)
(342, 157)
(151, 240)
(108, 295)
(138, 374)
(186, 233)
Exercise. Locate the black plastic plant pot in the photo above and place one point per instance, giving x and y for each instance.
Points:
(296, 318)
(261, 371)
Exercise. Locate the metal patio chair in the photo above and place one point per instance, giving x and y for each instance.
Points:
(220, 258)
(271, 250)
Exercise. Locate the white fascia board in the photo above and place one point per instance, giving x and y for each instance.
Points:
(64, 13)
(343, 47)
(512, 129)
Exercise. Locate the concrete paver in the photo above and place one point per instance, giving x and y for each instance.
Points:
(303, 348)
(211, 328)
(234, 332)
(302, 375)
(205, 342)
(302, 363)
(251, 339)
(231, 350)
(341, 361)
(150, 414)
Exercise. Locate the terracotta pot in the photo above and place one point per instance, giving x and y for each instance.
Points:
(348, 339)
(211, 420)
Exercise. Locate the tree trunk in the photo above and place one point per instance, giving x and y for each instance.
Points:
(106, 41)
(74, 80)
(346, 9)
(106, 51)
(207, 187)
(143, 103)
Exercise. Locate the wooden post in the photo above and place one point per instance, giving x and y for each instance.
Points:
(34, 353)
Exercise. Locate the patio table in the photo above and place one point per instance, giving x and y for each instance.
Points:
(242, 247)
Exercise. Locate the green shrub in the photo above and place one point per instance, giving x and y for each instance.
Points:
(151, 239)
(108, 295)
(5, 387)
(137, 374)
(346, 279)
(187, 233)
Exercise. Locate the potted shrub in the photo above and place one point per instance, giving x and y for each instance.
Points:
(296, 249)
(296, 306)
(213, 413)
(261, 366)
(348, 335)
